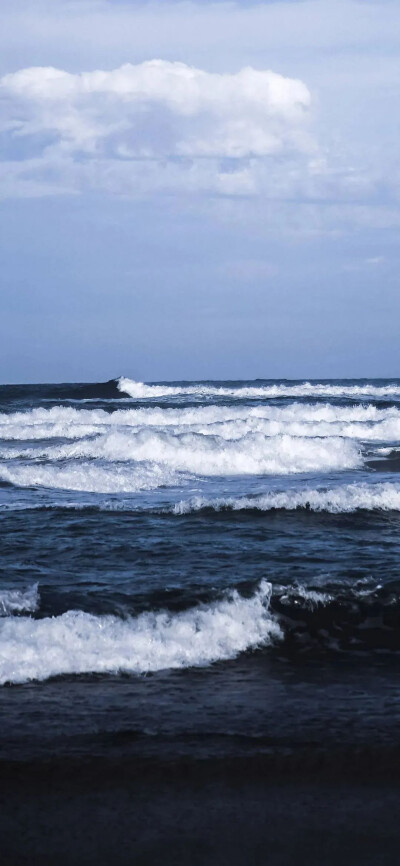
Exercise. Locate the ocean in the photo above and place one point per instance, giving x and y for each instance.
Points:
(200, 572)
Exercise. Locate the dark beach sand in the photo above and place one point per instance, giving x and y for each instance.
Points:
(308, 807)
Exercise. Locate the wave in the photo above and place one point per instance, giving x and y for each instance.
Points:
(77, 642)
(359, 617)
(17, 601)
(140, 390)
(230, 422)
(136, 449)
(88, 478)
(342, 499)
(158, 457)
(115, 390)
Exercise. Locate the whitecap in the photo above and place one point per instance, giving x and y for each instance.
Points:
(77, 642)
(343, 498)
(139, 390)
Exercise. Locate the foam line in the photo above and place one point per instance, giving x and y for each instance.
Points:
(342, 499)
(251, 454)
(367, 423)
(139, 391)
(86, 477)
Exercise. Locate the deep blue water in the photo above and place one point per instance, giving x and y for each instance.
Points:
(213, 563)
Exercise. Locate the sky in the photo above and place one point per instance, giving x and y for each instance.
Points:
(199, 190)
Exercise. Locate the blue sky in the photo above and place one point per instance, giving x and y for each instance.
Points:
(203, 190)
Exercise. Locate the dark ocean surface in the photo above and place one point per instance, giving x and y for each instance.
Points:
(199, 569)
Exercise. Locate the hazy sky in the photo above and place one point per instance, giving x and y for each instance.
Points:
(199, 190)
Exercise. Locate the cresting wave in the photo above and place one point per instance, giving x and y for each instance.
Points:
(133, 450)
(364, 422)
(88, 478)
(340, 499)
(139, 390)
(77, 642)
(143, 448)
(193, 453)
(345, 498)
(360, 617)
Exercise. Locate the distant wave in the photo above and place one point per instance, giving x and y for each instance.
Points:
(133, 449)
(139, 390)
(342, 499)
(78, 642)
(116, 390)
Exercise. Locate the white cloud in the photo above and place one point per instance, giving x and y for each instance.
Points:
(138, 130)
(155, 111)
(160, 106)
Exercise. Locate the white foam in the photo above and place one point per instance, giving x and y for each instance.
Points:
(252, 454)
(163, 445)
(79, 642)
(139, 391)
(341, 499)
(229, 422)
(19, 601)
(310, 598)
(89, 478)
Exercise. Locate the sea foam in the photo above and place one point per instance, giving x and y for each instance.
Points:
(77, 642)
(133, 449)
(139, 390)
(87, 477)
(157, 458)
(364, 422)
(343, 498)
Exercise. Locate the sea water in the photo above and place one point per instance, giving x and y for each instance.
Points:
(209, 563)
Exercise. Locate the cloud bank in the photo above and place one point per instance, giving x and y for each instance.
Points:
(83, 128)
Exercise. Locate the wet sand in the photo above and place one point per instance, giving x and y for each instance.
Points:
(276, 809)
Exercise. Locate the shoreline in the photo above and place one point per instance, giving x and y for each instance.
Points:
(274, 810)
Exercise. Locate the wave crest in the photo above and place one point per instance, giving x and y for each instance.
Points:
(342, 499)
(77, 642)
(151, 452)
(139, 390)
(364, 422)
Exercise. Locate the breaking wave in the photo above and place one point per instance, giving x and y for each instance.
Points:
(342, 499)
(88, 478)
(328, 618)
(365, 422)
(77, 642)
(139, 390)
(157, 458)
